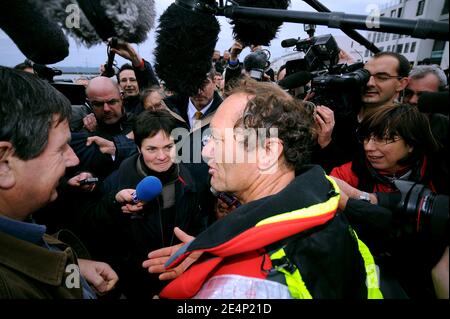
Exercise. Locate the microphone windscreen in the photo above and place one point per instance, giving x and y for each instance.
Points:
(257, 31)
(148, 188)
(295, 80)
(127, 20)
(36, 35)
(185, 43)
(433, 102)
(82, 31)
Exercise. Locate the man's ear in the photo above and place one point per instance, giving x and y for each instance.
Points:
(403, 84)
(269, 155)
(7, 177)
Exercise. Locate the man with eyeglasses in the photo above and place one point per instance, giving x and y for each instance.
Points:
(108, 128)
(389, 77)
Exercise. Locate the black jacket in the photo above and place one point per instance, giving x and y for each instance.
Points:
(124, 240)
(327, 254)
(193, 160)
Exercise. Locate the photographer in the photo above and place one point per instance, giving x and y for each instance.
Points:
(133, 77)
(254, 66)
(388, 76)
(397, 146)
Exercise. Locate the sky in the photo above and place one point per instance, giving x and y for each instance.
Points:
(96, 55)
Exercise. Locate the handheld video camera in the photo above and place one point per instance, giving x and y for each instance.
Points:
(257, 63)
(334, 85)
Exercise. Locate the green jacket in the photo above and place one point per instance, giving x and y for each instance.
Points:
(28, 271)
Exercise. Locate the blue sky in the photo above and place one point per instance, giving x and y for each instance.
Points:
(94, 56)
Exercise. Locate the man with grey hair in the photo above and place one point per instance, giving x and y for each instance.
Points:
(424, 78)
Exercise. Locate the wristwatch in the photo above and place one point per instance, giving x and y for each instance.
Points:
(365, 197)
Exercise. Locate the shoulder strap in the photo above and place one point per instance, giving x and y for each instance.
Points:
(294, 281)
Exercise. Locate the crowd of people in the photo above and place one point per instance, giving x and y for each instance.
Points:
(264, 194)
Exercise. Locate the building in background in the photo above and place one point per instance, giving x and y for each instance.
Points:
(417, 51)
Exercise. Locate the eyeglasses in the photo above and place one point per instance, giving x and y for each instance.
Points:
(377, 140)
(382, 77)
(99, 104)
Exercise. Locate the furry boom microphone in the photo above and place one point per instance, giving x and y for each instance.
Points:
(35, 26)
(257, 32)
(37, 37)
(187, 35)
(185, 43)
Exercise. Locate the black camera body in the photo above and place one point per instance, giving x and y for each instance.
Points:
(334, 85)
(256, 64)
(340, 88)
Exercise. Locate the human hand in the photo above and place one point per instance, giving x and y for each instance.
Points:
(75, 182)
(127, 196)
(105, 146)
(344, 57)
(126, 51)
(90, 122)
(325, 120)
(351, 192)
(100, 275)
(235, 50)
(157, 258)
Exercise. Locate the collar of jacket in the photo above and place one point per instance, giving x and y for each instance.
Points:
(179, 105)
(35, 261)
(310, 200)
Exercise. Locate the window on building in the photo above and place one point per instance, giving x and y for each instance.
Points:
(445, 8)
(437, 52)
(399, 48)
(406, 48)
(388, 48)
(399, 13)
(366, 54)
(379, 34)
(400, 36)
(382, 49)
(413, 47)
(393, 48)
(420, 7)
(394, 36)
(393, 12)
(388, 35)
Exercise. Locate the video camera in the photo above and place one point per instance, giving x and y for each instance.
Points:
(257, 63)
(334, 85)
(73, 92)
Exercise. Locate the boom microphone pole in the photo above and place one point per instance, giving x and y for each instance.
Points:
(350, 32)
(420, 28)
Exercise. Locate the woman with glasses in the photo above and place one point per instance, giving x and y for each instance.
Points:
(397, 143)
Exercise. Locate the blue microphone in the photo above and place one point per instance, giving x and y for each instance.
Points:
(147, 189)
